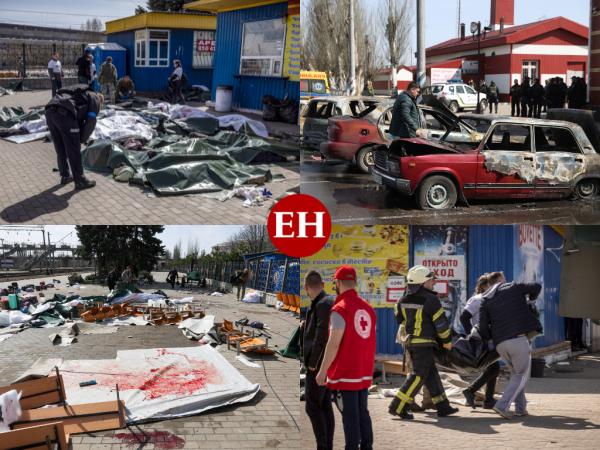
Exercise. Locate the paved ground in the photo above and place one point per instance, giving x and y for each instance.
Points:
(354, 197)
(30, 192)
(270, 420)
(564, 413)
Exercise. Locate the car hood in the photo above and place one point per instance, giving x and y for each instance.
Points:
(435, 145)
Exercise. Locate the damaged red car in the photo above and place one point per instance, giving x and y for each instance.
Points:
(351, 138)
(515, 158)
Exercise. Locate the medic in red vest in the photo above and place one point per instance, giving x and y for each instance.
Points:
(349, 358)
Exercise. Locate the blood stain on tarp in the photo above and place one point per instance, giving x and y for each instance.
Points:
(162, 440)
(173, 379)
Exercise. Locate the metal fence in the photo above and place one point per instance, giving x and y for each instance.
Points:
(266, 276)
(37, 56)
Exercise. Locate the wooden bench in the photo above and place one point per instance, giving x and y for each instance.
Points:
(392, 366)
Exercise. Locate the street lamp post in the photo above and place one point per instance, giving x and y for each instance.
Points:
(478, 36)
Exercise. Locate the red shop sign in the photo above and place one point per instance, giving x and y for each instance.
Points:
(204, 45)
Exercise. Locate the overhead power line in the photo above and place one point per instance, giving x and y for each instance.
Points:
(57, 13)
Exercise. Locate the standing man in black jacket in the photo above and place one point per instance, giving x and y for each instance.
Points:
(525, 97)
(515, 99)
(84, 68)
(316, 334)
(537, 95)
(71, 118)
(112, 279)
(506, 320)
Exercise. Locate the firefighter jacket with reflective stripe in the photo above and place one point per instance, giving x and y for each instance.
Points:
(423, 316)
(352, 368)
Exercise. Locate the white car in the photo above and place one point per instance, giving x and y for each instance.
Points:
(457, 96)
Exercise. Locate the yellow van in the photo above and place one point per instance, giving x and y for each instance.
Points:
(313, 84)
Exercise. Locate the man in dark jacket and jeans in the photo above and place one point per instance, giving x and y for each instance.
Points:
(316, 333)
(405, 114)
(506, 320)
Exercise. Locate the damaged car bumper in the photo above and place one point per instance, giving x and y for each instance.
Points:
(338, 150)
(387, 179)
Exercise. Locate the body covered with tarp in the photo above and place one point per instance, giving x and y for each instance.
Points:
(469, 354)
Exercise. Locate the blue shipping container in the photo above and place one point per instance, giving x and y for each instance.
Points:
(181, 46)
(490, 250)
(247, 90)
(554, 326)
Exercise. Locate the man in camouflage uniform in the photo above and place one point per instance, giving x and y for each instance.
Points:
(125, 88)
(107, 77)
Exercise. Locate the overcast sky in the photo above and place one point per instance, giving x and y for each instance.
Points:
(207, 235)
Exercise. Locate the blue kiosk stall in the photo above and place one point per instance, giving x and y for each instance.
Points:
(153, 40)
(257, 51)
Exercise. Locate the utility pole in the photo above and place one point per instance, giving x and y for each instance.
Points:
(458, 35)
(421, 74)
(50, 245)
(45, 249)
(352, 83)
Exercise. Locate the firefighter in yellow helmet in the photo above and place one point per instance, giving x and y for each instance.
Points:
(422, 314)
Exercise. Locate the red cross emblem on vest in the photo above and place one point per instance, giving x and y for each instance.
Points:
(362, 323)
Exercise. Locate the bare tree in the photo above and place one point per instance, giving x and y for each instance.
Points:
(168, 255)
(397, 33)
(326, 40)
(255, 238)
(177, 256)
(91, 28)
(193, 246)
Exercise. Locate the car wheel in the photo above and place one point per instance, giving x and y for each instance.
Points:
(586, 189)
(437, 192)
(364, 159)
(483, 105)
(453, 107)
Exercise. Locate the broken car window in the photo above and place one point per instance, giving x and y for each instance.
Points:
(508, 137)
(555, 139)
(320, 110)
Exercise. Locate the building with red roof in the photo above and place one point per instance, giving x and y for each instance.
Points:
(556, 47)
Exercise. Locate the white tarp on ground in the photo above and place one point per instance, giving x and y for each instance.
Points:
(197, 328)
(235, 120)
(33, 126)
(141, 296)
(155, 384)
(115, 126)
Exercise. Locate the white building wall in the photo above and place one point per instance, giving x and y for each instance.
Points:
(503, 81)
(533, 49)
(499, 49)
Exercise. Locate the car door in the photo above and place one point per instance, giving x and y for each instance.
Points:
(316, 122)
(559, 159)
(506, 163)
(462, 95)
(471, 96)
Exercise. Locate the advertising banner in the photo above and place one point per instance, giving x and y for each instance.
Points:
(529, 259)
(379, 253)
(443, 75)
(291, 59)
(443, 249)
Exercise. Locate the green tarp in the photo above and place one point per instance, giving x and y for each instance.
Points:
(130, 287)
(11, 115)
(188, 166)
(292, 350)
